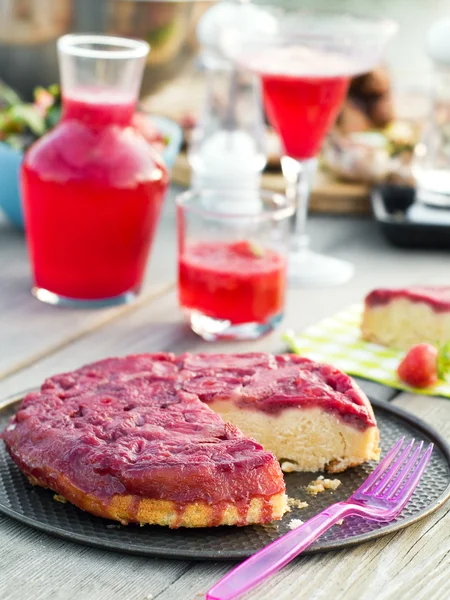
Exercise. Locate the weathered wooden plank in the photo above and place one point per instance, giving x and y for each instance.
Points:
(31, 330)
(406, 565)
(41, 567)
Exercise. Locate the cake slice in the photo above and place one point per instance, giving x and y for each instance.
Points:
(311, 416)
(403, 317)
(120, 440)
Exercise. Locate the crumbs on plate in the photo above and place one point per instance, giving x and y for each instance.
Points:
(294, 523)
(321, 484)
(296, 503)
(59, 498)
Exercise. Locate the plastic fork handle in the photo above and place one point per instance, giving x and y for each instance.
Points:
(273, 557)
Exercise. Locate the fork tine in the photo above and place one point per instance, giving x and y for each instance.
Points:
(392, 471)
(383, 466)
(413, 481)
(407, 469)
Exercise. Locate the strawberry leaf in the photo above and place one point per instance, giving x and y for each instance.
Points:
(443, 361)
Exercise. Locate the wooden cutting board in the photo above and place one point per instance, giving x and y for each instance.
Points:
(328, 195)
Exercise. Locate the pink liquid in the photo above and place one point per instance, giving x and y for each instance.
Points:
(303, 109)
(228, 281)
(93, 190)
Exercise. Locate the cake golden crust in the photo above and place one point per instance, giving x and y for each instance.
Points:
(129, 508)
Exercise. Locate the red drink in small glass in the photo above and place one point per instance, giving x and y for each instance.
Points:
(232, 264)
(232, 281)
(303, 109)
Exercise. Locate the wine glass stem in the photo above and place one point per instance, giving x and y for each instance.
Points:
(299, 175)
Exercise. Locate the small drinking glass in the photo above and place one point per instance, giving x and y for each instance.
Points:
(232, 259)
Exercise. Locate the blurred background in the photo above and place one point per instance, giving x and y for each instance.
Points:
(29, 29)
(393, 102)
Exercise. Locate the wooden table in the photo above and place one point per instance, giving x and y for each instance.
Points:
(38, 340)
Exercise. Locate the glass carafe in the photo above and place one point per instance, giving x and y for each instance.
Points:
(93, 187)
(227, 149)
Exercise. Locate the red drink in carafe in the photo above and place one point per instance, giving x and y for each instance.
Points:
(93, 190)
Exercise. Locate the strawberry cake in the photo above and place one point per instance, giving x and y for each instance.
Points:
(189, 441)
(403, 317)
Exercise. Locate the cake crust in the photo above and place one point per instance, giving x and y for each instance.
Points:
(130, 508)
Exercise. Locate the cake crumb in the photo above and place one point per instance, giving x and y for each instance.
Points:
(149, 597)
(320, 484)
(59, 498)
(296, 503)
(340, 522)
(294, 523)
(287, 466)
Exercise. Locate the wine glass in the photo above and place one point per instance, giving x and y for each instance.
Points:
(305, 61)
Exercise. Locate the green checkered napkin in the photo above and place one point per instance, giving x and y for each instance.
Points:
(337, 340)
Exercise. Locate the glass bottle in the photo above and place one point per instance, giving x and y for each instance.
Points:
(93, 187)
(227, 149)
(431, 164)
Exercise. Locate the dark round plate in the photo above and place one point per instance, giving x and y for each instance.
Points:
(36, 507)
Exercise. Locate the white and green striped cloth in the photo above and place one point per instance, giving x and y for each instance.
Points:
(337, 340)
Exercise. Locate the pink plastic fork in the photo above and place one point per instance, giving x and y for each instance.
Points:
(382, 497)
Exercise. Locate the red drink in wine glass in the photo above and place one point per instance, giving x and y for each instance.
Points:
(305, 61)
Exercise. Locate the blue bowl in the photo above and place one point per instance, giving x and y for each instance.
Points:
(10, 203)
(174, 133)
(10, 161)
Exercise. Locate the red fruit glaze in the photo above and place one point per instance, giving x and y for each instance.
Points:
(137, 424)
(292, 382)
(122, 426)
(438, 297)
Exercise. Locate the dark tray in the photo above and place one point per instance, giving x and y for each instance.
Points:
(36, 507)
(409, 224)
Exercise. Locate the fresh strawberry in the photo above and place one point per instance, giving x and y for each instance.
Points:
(419, 368)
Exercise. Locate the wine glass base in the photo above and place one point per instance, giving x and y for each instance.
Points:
(310, 269)
(213, 330)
